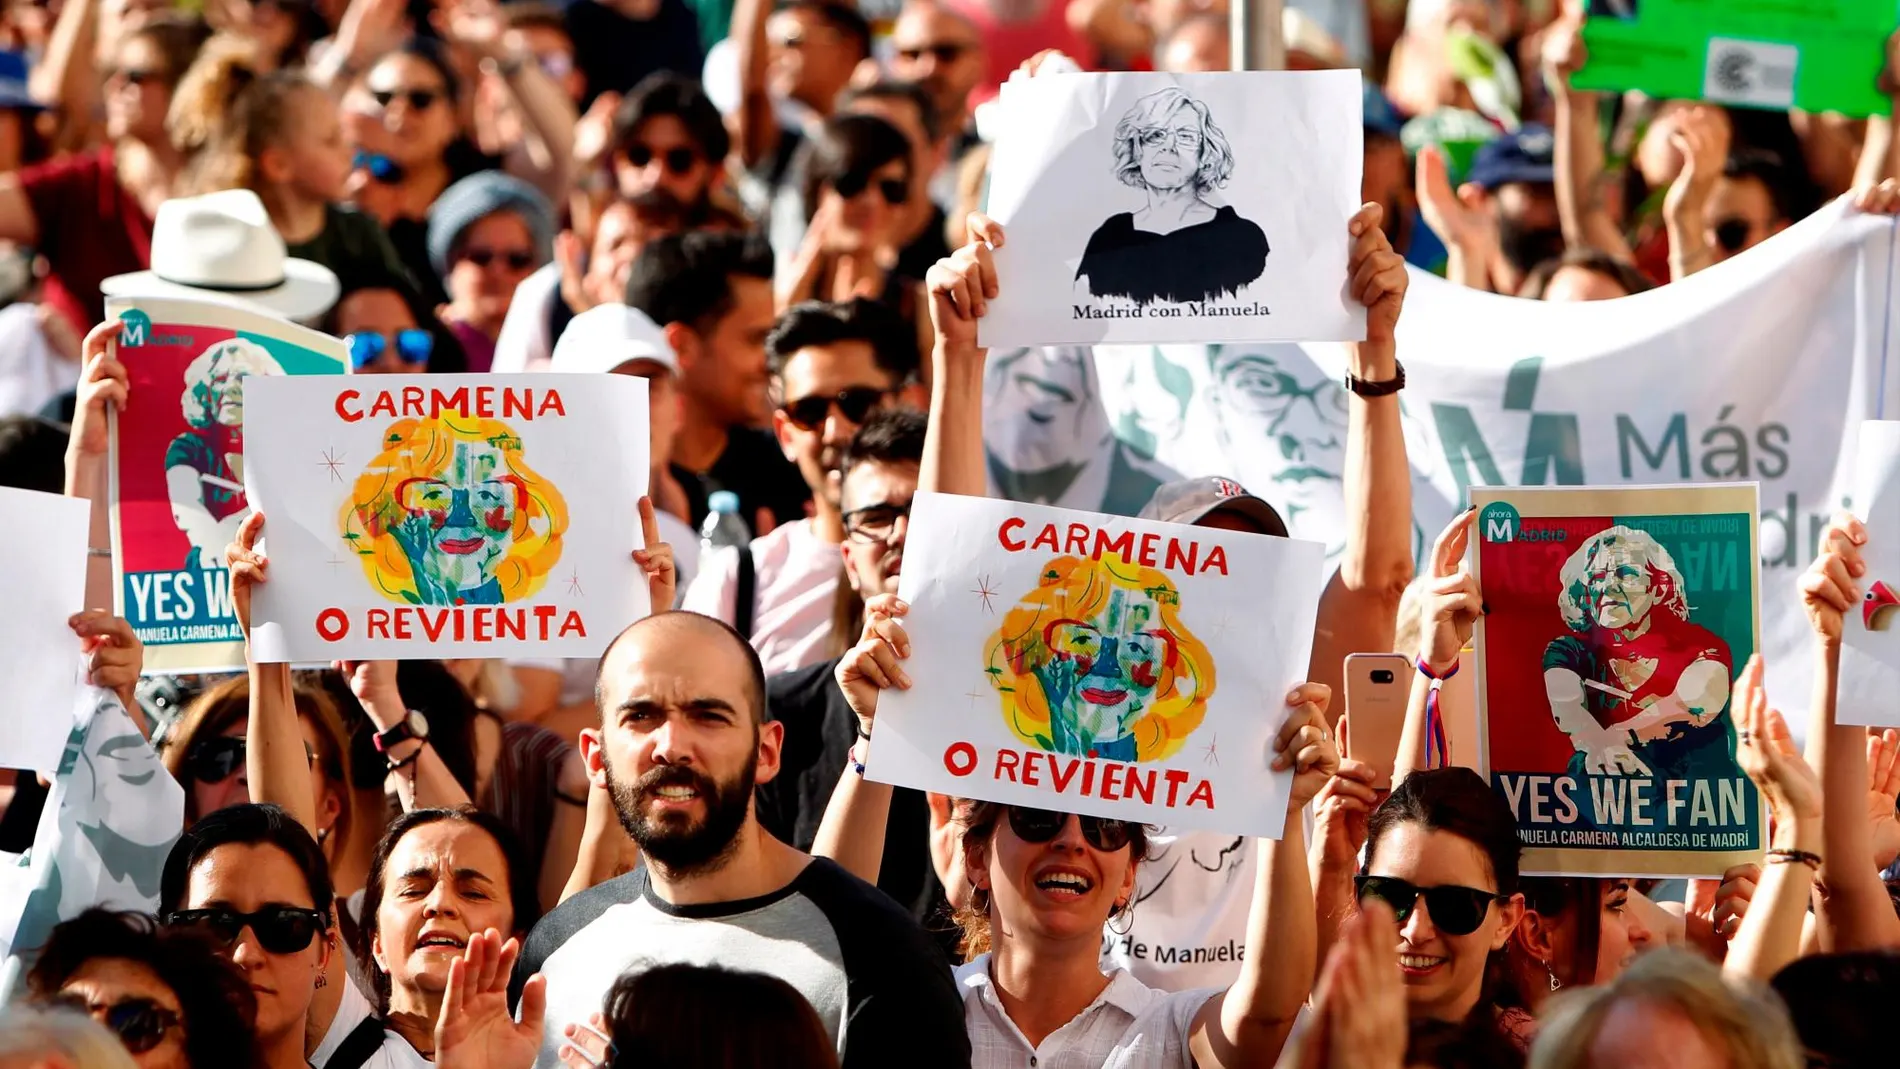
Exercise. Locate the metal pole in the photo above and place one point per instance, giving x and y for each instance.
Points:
(1254, 28)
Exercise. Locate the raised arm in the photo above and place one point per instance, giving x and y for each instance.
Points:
(1249, 1023)
(274, 758)
(67, 79)
(852, 830)
(1880, 151)
(1855, 911)
(1702, 136)
(754, 123)
(102, 385)
(1460, 221)
(1770, 933)
(1357, 611)
(1450, 610)
(546, 155)
(1578, 153)
(961, 288)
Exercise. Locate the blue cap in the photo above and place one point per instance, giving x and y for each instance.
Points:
(1525, 156)
(13, 92)
(478, 196)
(723, 501)
(1377, 114)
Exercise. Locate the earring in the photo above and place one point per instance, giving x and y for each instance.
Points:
(1555, 983)
(322, 981)
(1124, 913)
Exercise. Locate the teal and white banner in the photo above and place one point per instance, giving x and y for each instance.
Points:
(1760, 369)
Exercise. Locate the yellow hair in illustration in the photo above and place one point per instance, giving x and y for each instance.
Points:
(1096, 662)
(469, 473)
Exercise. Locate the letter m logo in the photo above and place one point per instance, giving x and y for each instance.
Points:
(135, 328)
(1498, 522)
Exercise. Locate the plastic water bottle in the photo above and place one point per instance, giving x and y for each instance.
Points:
(723, 525)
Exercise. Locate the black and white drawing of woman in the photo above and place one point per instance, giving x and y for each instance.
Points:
(1180, 247)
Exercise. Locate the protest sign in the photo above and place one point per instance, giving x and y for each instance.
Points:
(1098, 665)
(178, 466)
(1616, 622)
(1176, 207)
(1870, 636)
(447, 515)
(1761, 367)
(40, 657)
(1753, 53)
(111, 817)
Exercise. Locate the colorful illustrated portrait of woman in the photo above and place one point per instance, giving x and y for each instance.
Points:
(204, 466)
(450, 514)
(1639, 689)
(1180, 246)
(1095, 662)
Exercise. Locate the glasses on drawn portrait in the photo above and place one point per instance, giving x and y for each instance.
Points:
(678, 161)
(140, 1023)
(1042, 825)
(413, 346)
(1454, 910)
(874, 523)
(854, 403)
(420, 496)
(1185, 140)
(218, 758)
(279, 929)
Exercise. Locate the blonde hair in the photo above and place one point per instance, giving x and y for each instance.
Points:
(1078, 590)
(36, 1033)
(227, 110)
(247, 357)
(1745, 1019)
(423, 449)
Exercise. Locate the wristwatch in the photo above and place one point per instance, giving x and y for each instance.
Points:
(1386, 388)
(413, 726)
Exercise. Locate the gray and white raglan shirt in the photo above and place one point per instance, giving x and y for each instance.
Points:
(879, 984)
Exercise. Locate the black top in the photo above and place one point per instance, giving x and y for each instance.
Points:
(819, 730)
(614, 52)
(884, 994)
(1195, 263)
(755, 468)
(358, 250)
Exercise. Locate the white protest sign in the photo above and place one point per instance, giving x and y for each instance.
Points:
(1870, 634)
(1147, 207)
(446, 515)
(1098, 665)
(40, 657)
(1760, 368)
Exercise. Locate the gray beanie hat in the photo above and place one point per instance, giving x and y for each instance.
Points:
(479, 195)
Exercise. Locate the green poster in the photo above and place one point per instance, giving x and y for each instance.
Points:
(1816, 55)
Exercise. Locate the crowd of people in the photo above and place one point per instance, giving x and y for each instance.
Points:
(670, 856)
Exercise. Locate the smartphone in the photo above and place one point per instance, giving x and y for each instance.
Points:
(1458, 707)
(1378, 685)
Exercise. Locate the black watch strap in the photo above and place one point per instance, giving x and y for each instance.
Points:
(395, 735)
(1387, 388)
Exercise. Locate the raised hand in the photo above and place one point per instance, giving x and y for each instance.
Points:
(103, 381)
(1768, 754)
(1340, 810)
(655, 559)
(477, 25)
(1452, 602)
(1305, 744)
(962, 285)
(248, 568)
(114, 654)
(1378, 274)
(1563, 53)
(1828, 590)
(1370, 1033)
(475, 1030)
(874, 664)
(1883, 786)
(1458, 217)
(594, 133)
(1881, 199)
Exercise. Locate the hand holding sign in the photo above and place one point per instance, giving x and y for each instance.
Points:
(1306, 745)
(103, 382)
(962, 286)
(114, 655)
(1452, 600)
(1828, 591)
(873, 664)
(1378, 274)
(248, 568)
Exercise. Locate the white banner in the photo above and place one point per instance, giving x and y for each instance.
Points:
(1870, 635)
(1758, 369)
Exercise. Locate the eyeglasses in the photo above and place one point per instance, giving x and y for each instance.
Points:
(678, 161)
(1454, 910)
(874, 523)
(140, 1023)
(1732, 234)
(947, 52)
(413, 346)
(381, 168)
(1041, 825)
(419, 495)
(895, 191)
(218, 758)
(279, 929)
(853, 403)
(516, 259)
(419, 99)
(1186, 140)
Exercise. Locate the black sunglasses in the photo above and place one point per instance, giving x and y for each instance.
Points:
(135, 76)
(1454, 910)
(419, 99)
(139, 1023)
(1042, 825)
(279, 929)
(514, 258)
(854, 403)
(1732, 234)
(218, 758)
(895, 191)
(677, 160)
(947, 52)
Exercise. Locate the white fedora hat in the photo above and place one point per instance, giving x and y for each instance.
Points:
(222, 247)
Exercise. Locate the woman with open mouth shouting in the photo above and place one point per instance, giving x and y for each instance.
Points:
(1044, 883)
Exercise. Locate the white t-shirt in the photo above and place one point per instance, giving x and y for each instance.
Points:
(797, 582)
(1128, 1026)
(395, 1053)
(31, 374)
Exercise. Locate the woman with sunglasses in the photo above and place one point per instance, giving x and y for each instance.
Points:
(386, 336)
(487, 233)
(1043, 885)
(856, 189)
(164, 992)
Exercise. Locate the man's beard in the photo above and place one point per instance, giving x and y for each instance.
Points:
(672, 841)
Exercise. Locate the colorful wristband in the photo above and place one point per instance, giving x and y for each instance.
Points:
(1426, 671)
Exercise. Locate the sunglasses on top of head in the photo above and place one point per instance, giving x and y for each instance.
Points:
(218, 758)
(413, 346)
(1042, 825)
(279, 929)
(854, 403)
(678, 161)
(895, 191)
(1454, 910)
(140, 1023)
